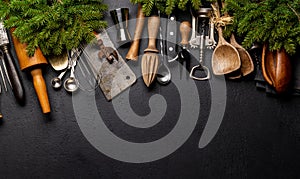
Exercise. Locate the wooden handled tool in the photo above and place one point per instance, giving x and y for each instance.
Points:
(134, 48)
(150, 57)
(183, 55)
(16, 84)
(33, 64)
(185, 29)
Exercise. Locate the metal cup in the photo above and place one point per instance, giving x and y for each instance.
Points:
(120, 18)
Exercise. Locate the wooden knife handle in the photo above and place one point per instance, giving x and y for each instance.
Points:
(41, 89)
(185, 29)
(14, 76)
(134, 48)
(153, 26)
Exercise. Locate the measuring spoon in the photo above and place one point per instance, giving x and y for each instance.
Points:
(71, 84)
(56, 82)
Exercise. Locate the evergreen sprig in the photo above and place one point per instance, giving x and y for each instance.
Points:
(275, 22)
(53, 25)
(166, 6)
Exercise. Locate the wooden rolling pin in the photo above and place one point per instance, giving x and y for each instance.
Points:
(33, 64)
(134, 48)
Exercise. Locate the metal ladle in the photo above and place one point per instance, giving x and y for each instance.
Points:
(163, 74)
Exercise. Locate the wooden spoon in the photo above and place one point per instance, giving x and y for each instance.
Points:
(247, 64)
(225, 58)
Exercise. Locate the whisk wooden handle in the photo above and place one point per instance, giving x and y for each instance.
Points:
(41, 89)
(134, 48)
(153, 26)
(185, 29)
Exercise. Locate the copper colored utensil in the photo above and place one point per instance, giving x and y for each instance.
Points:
(276, 68)
(150, 57)
(33, 65)
(134, 48)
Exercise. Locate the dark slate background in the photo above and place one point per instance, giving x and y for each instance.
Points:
(259, 136)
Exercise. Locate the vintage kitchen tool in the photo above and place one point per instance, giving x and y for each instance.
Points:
(90, 77)
(71, 84)
(201, 14)
(225, 58)
(56, 81)
(163, 74)
(201, 67)
(59, 62)
(33, 65)
(150, 58)
(246, 61)
(199, 41)
(108, 53)
(256, 51)
(2, 72)
(171, 36)
(183, 55)
(120, 17)
(113, 78)
(134, 48)
(13, 76)
(276, 68)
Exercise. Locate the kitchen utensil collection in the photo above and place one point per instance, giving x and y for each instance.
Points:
(103, 66)
(70, 84)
